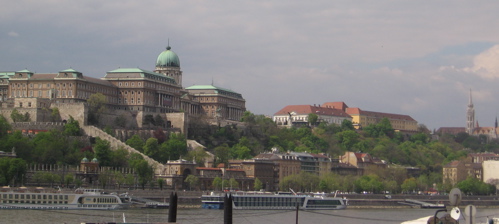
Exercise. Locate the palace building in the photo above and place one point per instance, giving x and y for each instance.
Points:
(130, 91)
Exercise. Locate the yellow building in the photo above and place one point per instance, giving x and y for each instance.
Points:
(363, 118)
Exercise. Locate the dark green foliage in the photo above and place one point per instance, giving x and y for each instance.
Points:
(55, 115)
(136, 142)
(102, 151)
(120, 121)
(96, 106)
(159, 121)
(109, 130)
(72, 127)
(474, 186)
(313, 118)
(149, 119)
(144, 172)
(4, 127)
(18, 117)
(384, 127)
(12, 171)
(49, 147)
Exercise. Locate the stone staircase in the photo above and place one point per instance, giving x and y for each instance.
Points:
(116, 144)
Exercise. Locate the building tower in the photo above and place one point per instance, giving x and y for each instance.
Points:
(169, 65)
(470, 117)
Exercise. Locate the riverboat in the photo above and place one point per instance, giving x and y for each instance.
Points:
(39, 198)
(257, 200)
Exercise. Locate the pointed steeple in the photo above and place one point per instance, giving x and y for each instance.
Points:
(470, 103)
(495, 128)
(470, 117)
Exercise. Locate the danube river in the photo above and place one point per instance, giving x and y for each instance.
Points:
(202, 216)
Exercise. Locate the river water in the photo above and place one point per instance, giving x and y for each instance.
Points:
(203, 216)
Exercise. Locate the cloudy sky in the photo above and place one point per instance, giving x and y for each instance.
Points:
(419, 58)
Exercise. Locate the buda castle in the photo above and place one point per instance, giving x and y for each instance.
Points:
(133, 93)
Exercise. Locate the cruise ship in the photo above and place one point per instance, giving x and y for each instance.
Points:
(39, 198)
(257, 200)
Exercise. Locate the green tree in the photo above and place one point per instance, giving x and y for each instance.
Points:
(348, 139)
(149, 119)
(78, 183)
(72, 127)
(119, 178)
(161, 182)
(4, 126)
(144, 172)
(174, 147)
(151, 149)
(18, 117)
(222, 154)
(475, 187)
(409, 185)
(217, 183)
(109, 130)
(313, 118)
(136, 142)
(68, 180)
(197, 155)
(119, 158)
(233, 184)
(159, 121)
(105, 178)
(129, 180)
(258, 184)
(120, 121)
(102, 149)
(347, 125)
(55, 115)
(12, 171)
(96, 106)
(49, 147)
(192, 180)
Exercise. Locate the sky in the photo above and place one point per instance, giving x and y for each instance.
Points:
(419, 58)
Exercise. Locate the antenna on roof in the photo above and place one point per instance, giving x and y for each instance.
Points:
(212, 80)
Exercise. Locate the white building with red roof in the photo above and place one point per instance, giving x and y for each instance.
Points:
(293, 114)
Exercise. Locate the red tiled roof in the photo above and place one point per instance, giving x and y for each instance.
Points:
(337, 105)
(309, 109)
(43, 76)
(452, 164)
(360, 155)
(207, 168)
(353, 110)
(318, 155)
(451, 130)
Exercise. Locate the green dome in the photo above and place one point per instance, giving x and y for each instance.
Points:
(94, 160)
(84, 160)
(168, 58)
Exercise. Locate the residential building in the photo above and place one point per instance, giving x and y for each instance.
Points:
(454, 172)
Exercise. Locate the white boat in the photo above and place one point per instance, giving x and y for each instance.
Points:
(257, 200)
(39, 198)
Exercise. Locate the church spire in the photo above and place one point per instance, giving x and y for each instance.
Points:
(470, 117)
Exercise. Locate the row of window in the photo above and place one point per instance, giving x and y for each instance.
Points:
(267, 201)
(34, 196)
(33, 202)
